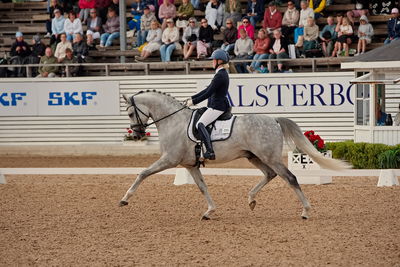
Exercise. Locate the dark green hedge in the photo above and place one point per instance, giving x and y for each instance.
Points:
(367, 156)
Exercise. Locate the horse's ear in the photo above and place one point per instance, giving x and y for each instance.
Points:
(126, 98)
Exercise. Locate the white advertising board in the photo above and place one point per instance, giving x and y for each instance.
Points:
(59, 98)
(319, 93)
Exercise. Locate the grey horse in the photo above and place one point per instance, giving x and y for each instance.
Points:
(263, 147)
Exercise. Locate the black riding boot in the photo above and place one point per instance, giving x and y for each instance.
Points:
(205, 137)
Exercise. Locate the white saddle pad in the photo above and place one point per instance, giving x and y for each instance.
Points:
(221, 131)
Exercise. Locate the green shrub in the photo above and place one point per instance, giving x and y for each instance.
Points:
(365, 155)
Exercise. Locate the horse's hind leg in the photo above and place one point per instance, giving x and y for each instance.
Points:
(269, 174)
(199, 180)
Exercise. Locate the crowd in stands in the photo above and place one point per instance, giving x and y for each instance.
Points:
(261, 32)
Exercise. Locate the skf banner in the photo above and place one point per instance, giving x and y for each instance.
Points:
(59, 98)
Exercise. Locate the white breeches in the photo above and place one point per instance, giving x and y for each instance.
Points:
(209, 116)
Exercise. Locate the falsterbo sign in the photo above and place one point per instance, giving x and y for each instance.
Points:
(318, 93)
(59, 98)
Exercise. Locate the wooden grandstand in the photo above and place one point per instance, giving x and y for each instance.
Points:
(30, 17)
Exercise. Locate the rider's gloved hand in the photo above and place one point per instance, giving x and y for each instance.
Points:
(188, 102)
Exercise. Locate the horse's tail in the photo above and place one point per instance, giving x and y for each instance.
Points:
(291, 131)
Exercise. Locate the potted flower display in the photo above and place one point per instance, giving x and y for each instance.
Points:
(128, 138)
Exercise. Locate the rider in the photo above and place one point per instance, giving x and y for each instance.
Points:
(216, 94)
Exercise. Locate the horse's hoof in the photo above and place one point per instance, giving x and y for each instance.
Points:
(123, 203)
(205, 218)
(252, 204)
(304, 217)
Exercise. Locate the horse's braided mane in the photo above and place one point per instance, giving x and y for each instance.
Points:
(173, 99)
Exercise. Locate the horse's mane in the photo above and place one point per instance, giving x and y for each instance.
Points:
(168, 96)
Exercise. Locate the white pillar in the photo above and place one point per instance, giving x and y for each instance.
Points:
(183, 177)
(2, 178)
(388, 178)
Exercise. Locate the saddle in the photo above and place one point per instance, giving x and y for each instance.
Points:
(227, 115)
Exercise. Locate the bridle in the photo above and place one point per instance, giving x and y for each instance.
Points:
(142, 126)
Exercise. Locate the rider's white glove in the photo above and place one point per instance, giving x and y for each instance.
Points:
(188, 102)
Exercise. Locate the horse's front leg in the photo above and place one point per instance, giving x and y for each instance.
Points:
(158, 166)
(198, 178)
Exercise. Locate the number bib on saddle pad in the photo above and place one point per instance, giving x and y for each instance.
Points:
(220, 130)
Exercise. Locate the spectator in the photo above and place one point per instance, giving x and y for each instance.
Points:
(80, 48)
(393, 26)
(170, 39)
(185, 11)
(215, 13)
(153, 40)
(93, 28)
(38, 49)
(344, 38)
(20, 50)
(114, 5)
(72, 26)
(111, 29)
(53, 6)
(318, 6)
(255, 11)
(246, 25)
(48, 58)
(85, 7)
(145, 26)
(230, 36)
(243, 50)
(311, 31)
(328, 37)
(137, 10)
(102, 9)
(279, 49)
(166, 11)
(290, 20)
(261, 49)
(305, 12)
(272, 18)
(70, 59)
(233, 10)
(57, 26)
(206, 36)
(361, 9)
(62, 46)
(190, 37)
(365, 33)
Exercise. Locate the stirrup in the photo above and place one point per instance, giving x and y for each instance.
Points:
(209, 155)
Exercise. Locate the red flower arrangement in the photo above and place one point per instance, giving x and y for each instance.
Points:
(128, 136)
(316, 140)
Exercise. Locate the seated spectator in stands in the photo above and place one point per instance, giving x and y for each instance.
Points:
(305, 12)
(215, 13)
(243, 50)
(137, 10)
(93, 28)
(190, 37)
(255, 11)
(246, 25)
(111, 29)
(344, 38)
(114, 5)
(365, 33)
(20, 50)
(72, 26)
(170, 39)
(233, 10)
(153, 40)
(272, 18)
(317, 6)
(102, 9)
(80, 48)
(70, 59)
(48, 58)
(145, 26)
(57, 26)
(261, 49)
(185, 11)
(53, 6)
(382, 7)
(393, 26)
(206, 36)
(328, 36)
(38, 49)
(166, 11)
(85, 6)
(311, 32)
(230, 36)
(62, 46)
(361, 9)
(279, 49)
(290, 20)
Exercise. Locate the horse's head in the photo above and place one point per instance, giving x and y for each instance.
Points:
(138, 117)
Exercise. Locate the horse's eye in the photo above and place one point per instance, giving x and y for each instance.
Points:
(130, 114)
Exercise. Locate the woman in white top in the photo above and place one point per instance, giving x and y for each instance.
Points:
(170, 39)
(215, 13)
(72, 26)
(153, 40)
(93, 27)
(344, 38)
(190, 37)
(61, 47)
